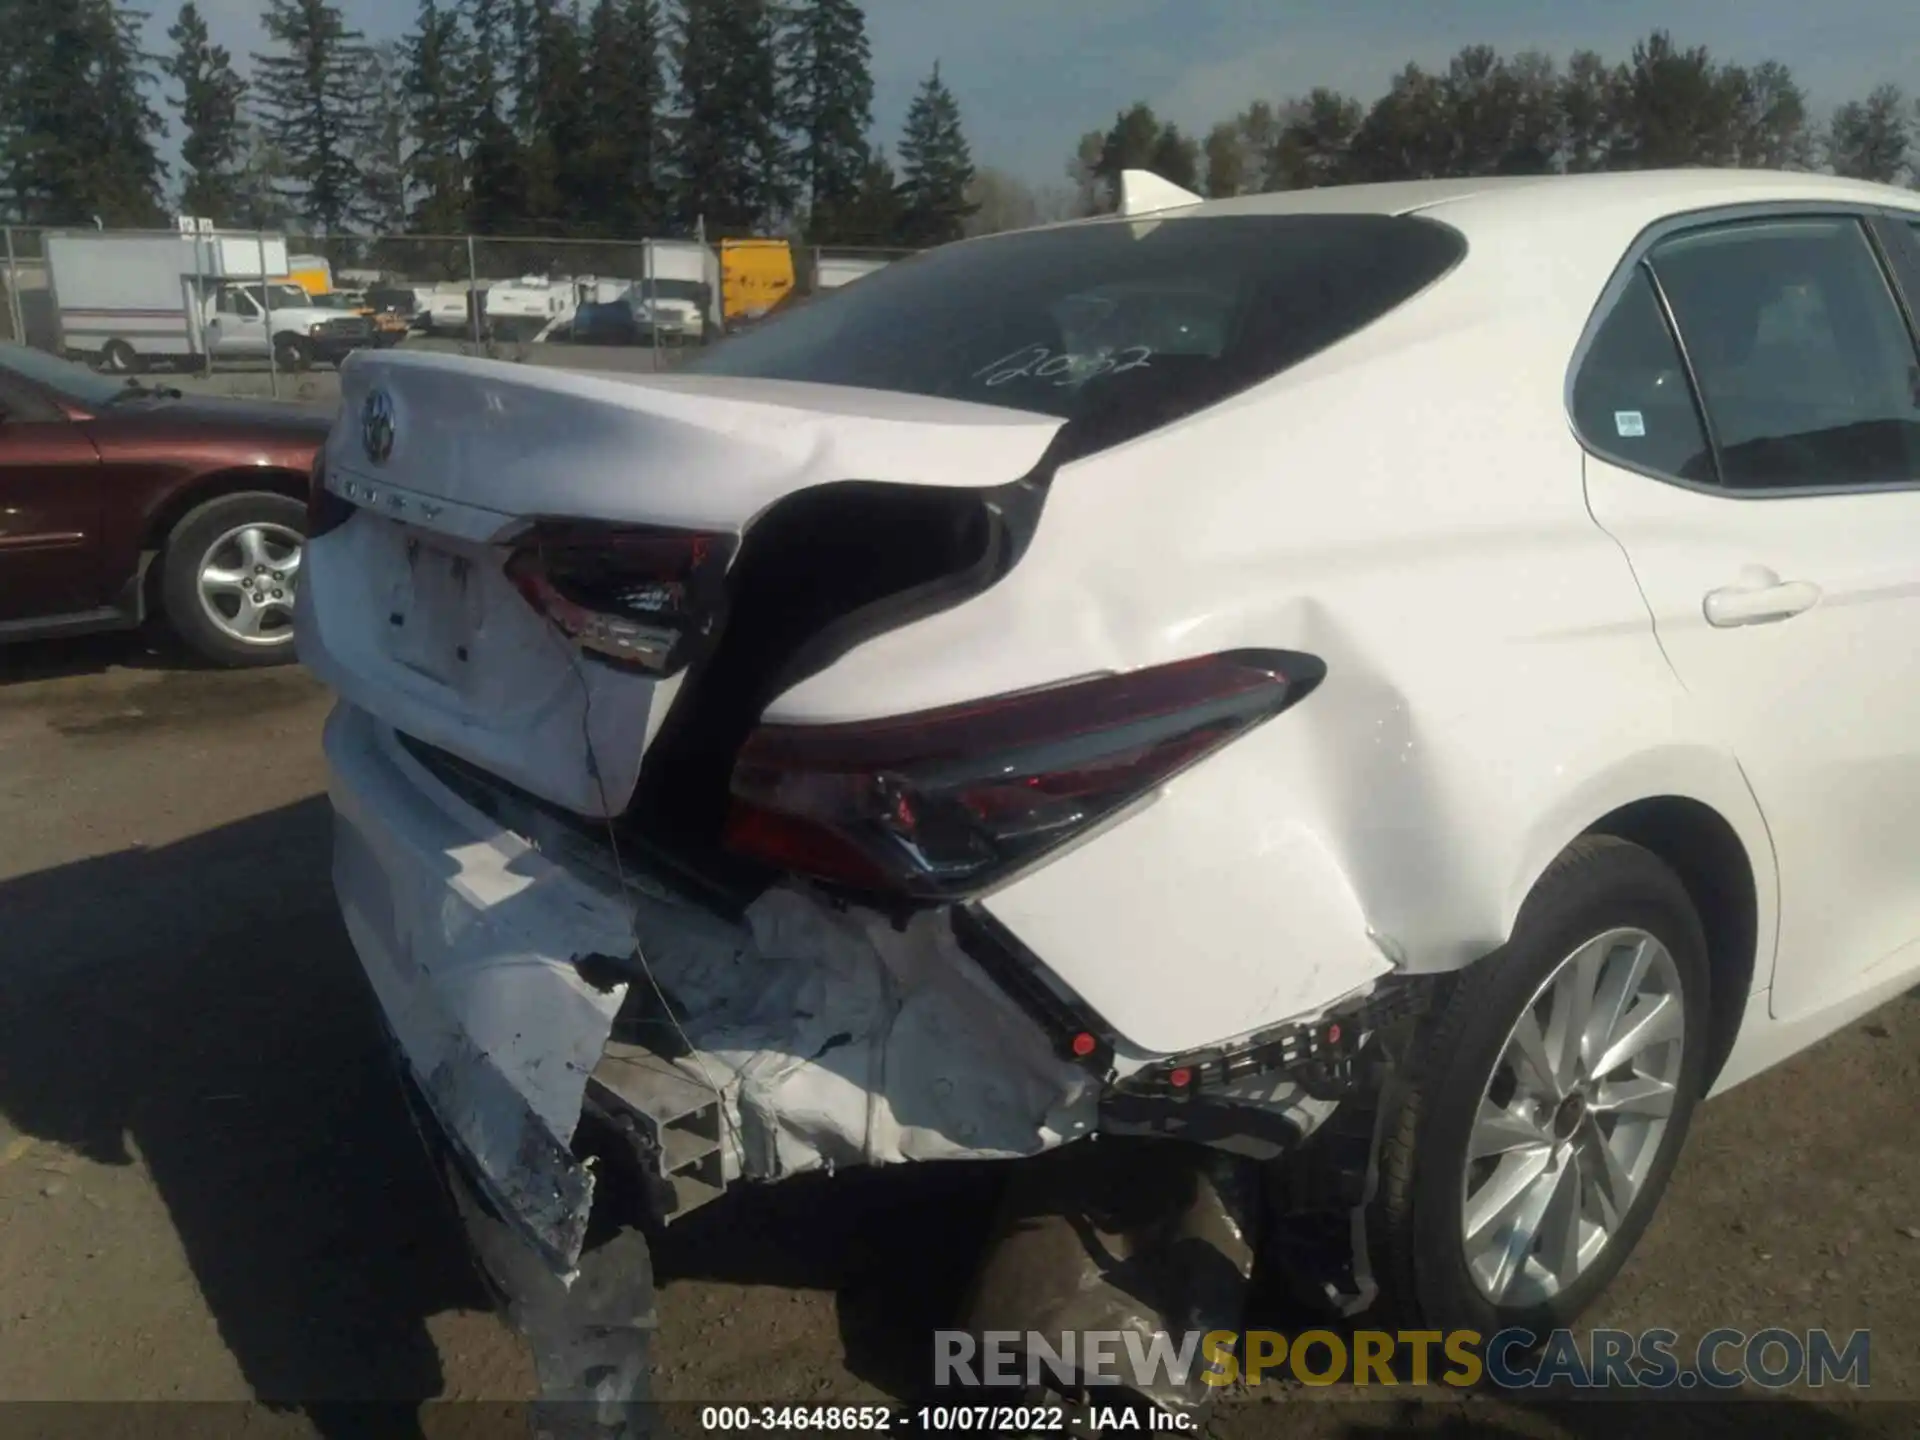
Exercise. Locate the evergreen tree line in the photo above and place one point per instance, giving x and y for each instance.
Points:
(578, 118)
(624, 118)
(1489, 114)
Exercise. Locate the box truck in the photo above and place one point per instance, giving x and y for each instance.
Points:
(125, 301)
(757, 274)
(682, 286)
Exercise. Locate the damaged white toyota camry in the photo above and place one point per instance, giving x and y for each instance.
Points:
(1341, 714)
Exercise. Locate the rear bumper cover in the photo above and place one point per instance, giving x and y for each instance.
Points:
(827, 1038)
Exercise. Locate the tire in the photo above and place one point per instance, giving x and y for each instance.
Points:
(213, 535)
(1459, 1058)
(117, 357)
(292, 353)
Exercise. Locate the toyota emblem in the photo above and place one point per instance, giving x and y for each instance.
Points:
(376, 425)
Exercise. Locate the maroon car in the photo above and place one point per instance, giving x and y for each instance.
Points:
(118, 499)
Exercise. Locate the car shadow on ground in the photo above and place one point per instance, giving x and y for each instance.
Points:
(197, 1006)
(898, 1247)
(145, 649)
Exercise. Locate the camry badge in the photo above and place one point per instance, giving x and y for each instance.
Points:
(376, 425)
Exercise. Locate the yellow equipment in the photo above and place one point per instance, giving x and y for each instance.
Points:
(755, 275)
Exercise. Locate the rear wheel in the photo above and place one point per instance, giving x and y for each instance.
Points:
(117, 357)
(229, 576)
(1545, 1102)
(292, 353)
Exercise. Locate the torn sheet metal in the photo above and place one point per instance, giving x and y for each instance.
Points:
(829, 1037)
(837, 1040)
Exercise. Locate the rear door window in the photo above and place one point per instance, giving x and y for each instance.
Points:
(1116, 326)
(1805, 366)
(1631, 400)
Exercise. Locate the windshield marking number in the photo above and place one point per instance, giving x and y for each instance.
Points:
(1041, 363)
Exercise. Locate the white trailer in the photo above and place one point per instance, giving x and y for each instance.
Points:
(126, 300)
(525, 309)
(832, 271)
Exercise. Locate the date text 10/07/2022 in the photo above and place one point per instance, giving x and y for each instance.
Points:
(938, 1419)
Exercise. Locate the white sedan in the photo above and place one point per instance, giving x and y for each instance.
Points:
(1129, 677)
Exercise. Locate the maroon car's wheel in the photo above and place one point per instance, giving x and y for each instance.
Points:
(230, 572)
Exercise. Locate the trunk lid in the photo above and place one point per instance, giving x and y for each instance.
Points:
(407, 610)
(675, 450)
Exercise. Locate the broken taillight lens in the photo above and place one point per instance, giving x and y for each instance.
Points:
(325, 510)
(946, 803)
(633, 595)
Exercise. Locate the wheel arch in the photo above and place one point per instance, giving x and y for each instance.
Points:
(181, 502)
(1701, 847)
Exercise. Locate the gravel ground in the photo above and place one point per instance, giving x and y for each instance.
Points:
(208, 1189)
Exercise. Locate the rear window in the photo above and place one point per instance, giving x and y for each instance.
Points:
(1118, 327)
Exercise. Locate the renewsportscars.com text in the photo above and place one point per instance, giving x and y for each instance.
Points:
(1511, 1359)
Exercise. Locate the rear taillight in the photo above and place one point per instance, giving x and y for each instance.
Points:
(946, 803)
(632, 595)
(325, 510)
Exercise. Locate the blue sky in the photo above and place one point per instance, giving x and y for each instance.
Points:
(1032, 75)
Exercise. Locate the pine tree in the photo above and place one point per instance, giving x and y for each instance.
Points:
(731, 163)
(259, 203)
(211, 94)
(1128, 145)
(875, 215)
(1226, 161)
(1589, 113)
(1773, 119)
(1091, 193)
(77, 128)
(496, 185)
(1315, 142)
(936, 167)
(383, 154)
(434, 57)
(1176, 157)
(523, 38)
(623, 94)
(552, 122)
(127, 171)
(311, 101)
(827, 85)
(1676, 107)
(1408, 134)
(1870, 139)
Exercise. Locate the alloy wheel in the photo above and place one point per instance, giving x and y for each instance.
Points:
(1572, 1117)
(248, 579)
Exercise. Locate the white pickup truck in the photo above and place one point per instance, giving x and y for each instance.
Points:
(126, 301)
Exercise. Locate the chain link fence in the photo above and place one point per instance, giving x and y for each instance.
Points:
(271, 313)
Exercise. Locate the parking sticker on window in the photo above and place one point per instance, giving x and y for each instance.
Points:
(1631, 424)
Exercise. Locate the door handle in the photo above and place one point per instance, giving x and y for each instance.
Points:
(1760, 598)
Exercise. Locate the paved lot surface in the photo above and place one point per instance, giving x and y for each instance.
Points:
(208, 1189)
